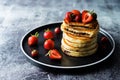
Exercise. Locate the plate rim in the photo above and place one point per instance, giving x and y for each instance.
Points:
(68, 67)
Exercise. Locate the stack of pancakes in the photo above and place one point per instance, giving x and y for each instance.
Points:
(79, 39)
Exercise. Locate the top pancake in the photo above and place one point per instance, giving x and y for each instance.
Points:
(80, 29)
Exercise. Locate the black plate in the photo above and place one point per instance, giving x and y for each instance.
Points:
(66, 62)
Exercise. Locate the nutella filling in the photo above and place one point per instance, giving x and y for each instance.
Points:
(77, 33)
(83, 26)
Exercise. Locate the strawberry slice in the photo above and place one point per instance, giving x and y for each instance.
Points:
(87, 17)
(54, 54)
(84, 12)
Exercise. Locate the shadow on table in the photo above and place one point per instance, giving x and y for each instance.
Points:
(107, 64)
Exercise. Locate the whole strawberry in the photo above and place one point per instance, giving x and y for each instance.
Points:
(48, 34)
(34, 53)
(33, 39)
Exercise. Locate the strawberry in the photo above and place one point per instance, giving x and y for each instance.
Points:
(57, 30)
(68, 16)
(33, 39)
(104, 39)
(76, 15)
(34, 53)
(54, 54)
(94, 16)
(84, 12)
(88, 16)
(76, 12)
(48, 34)
(49, 44)
(77, 18)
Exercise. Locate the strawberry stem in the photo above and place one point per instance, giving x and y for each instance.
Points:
(47, 30)
(91, 12)
(48, 53)
(36, 34)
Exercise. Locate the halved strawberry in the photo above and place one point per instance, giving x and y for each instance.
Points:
(88, 16)
(54, 54)
(84, 12)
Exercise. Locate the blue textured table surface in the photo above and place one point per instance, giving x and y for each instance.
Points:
(17, 17)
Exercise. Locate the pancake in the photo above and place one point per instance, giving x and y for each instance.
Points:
(78, 53)
(75, 44)
(91, 25)
(72, 48)
(78, 40)
(80, 31)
